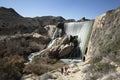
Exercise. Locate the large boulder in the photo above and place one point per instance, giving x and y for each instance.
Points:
(61, 51)
(65, 50)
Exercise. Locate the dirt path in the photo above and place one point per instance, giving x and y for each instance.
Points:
(75, 72)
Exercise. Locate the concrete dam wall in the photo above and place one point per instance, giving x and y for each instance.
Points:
(82, 30)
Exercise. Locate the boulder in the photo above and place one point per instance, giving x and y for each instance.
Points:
(54, 52)
(65, 50)
(66, 39)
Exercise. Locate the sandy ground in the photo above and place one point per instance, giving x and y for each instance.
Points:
(75, 72)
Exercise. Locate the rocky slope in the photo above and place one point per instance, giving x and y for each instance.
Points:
(104, 47)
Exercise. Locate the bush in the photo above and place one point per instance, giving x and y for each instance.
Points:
(11, 67)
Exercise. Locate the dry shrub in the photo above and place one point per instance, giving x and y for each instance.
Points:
(11, 67)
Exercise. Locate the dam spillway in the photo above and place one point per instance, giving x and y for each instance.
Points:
(83, 31)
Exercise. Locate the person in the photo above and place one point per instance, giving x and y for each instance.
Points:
(62, 70)
(65, 69)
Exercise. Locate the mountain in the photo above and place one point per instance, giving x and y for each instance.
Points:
(13, 23)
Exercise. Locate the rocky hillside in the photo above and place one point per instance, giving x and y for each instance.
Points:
(13, 23)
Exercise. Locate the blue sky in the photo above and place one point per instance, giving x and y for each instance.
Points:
(67, 8)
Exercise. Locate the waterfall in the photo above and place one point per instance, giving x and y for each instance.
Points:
(55, 34)
(82, 30)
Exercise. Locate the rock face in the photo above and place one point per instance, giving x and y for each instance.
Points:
(104, 45)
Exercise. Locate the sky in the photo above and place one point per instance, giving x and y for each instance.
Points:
(69, 9)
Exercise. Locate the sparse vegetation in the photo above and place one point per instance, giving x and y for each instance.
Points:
(43, 65)
(14, 52)
(102, 67)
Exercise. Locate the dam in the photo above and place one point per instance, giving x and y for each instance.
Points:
(83, 31)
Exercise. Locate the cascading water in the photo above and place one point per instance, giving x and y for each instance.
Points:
(83, 31)
(80, 29)
(55, 34)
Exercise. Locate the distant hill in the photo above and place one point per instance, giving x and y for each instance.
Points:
(49, 20)
(11, 22)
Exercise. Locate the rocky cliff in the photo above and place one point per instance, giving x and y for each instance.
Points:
(104, 47)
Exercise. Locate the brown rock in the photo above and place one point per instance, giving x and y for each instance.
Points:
(65, 50)
(66, 39)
